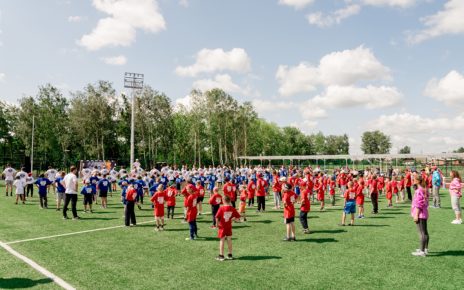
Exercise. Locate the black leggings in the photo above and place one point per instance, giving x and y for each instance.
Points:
(214, 209)
(408, 190)
(261, 203)
(251, 201)
(171, 211)
(423, 234)
(30, 189)
(304, 219)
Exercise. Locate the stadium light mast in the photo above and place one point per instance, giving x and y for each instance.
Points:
(32, 145)
(133, 81)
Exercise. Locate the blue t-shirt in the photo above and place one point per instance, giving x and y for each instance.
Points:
(93, 181)
(59, 187)
(88, 190)
(43, 183)
(103, 185)
(140, 185)
(154, 188)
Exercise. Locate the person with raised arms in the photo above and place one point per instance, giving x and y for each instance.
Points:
(51, 175)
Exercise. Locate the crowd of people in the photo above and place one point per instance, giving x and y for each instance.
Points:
(223, 187)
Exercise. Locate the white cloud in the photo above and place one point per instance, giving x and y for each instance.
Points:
(393, 3)
(335, 96)
(184, 3)
(224, 82)
(2, 77)
(74, 19)
(338, 68)
(115, 60)
(450, 20)
(305, 126)
(449, 89)
(297, 4)
(126, 18)
(185, 102)
(264, 106)
(213, 60)
(336, 17)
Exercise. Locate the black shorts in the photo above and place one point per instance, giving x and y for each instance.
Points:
(200, 198)
(290, 220)
(103, 193)
(88, 199)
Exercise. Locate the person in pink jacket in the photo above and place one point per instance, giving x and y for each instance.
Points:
(455, 194)
(420, 214)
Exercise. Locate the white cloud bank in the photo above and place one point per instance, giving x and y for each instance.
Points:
(120, 28)
(449, 89)
(115, 60)
(326, 20)
(297, 4)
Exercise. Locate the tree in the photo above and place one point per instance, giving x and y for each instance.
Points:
(375, 142)
(459, 150)
(405, 150)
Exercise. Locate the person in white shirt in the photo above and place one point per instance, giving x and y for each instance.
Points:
(29, 185)
(22, 174)
(51, 175)
(9, 174)
(70, 184)
(19, 184)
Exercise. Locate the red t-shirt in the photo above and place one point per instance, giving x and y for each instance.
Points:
(373, 187)
(225, 215)
(289, 200)
(359, 195)
(131, 194)
(277, 186)
(192, 207)
(305, 203)
(251, 189)
(171, 193)
(243, 196)
(201, 191)
(350, 194)
(229, 191)
(261, 185)
(158, 200)
(216, 199)
(408, 180)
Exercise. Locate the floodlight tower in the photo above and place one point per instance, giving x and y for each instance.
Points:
(133, 81)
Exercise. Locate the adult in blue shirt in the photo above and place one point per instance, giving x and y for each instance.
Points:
(42, 184)
(139, 184)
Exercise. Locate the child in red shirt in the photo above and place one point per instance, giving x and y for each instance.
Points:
(171, 193)
(251, 193)
(319, 188)
(201, 196)
(131, 195)
(332, 191)
(192, 212)
(360, 198)
(243, 196)
(394, 186)
(389, 192)
(350, 204)
(158, 200)
(288, 200)
(304, 209)
(215, 201)
(224, 218)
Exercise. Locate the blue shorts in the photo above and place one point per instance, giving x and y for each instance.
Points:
(350, 207)
(297, 190)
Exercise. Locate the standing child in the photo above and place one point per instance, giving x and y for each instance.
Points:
(304, 209)
(394, 186)
(19, 184)
(158, 200)
(224, 218)
(251, 192)
(171, 193)
(88, 191)
(215, 201)
(420, 214)
(201, 196)
(192, 211)
(455, 194)
(243, 197)
(401, 189)
(360, 198)
(288, 200)
(60, 189)
(130, 198)
(350, 204)
(332, 191)
(43, 184)
(389, 192)
(103, 187)
(319, 188)
(276, 189)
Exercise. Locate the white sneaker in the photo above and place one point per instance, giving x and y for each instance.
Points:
(456, 222)
(426, 251)
(418, 253)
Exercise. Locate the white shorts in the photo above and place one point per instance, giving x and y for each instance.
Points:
(9, 182)
(456, 203)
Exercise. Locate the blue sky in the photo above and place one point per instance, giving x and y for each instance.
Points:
(336, 66)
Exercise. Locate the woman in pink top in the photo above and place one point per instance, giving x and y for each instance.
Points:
(455, 194)
(420, 214)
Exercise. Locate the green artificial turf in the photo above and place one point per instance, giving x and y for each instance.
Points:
(376, 253)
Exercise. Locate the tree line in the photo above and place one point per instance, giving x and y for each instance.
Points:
(94, 124)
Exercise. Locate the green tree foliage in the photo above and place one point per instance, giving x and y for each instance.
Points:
(459, 150)
(375, 142)
(405, 150)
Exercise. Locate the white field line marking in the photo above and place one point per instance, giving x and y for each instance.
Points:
(45, 272)
(71, 234)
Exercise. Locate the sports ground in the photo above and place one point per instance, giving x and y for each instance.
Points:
(375, 253)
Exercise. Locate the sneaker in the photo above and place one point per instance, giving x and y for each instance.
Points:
(230, 257)
(157, 229)
(456, 222)
(188, 239)
(220, 258)
(286, 239)
(426, 251)
(294, 239)
(65, 218)
(419, 254)
(76, 218)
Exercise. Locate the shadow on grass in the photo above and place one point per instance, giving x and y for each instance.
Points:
(258, 258)
(19, 283)
(261, 222)
(393, 213)
(455, 253)
(381, 217)
(313, 216)
(318, 241)
(103, 212)
(328, 232)
(370, 225)
(98, 218)
(241, 226)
